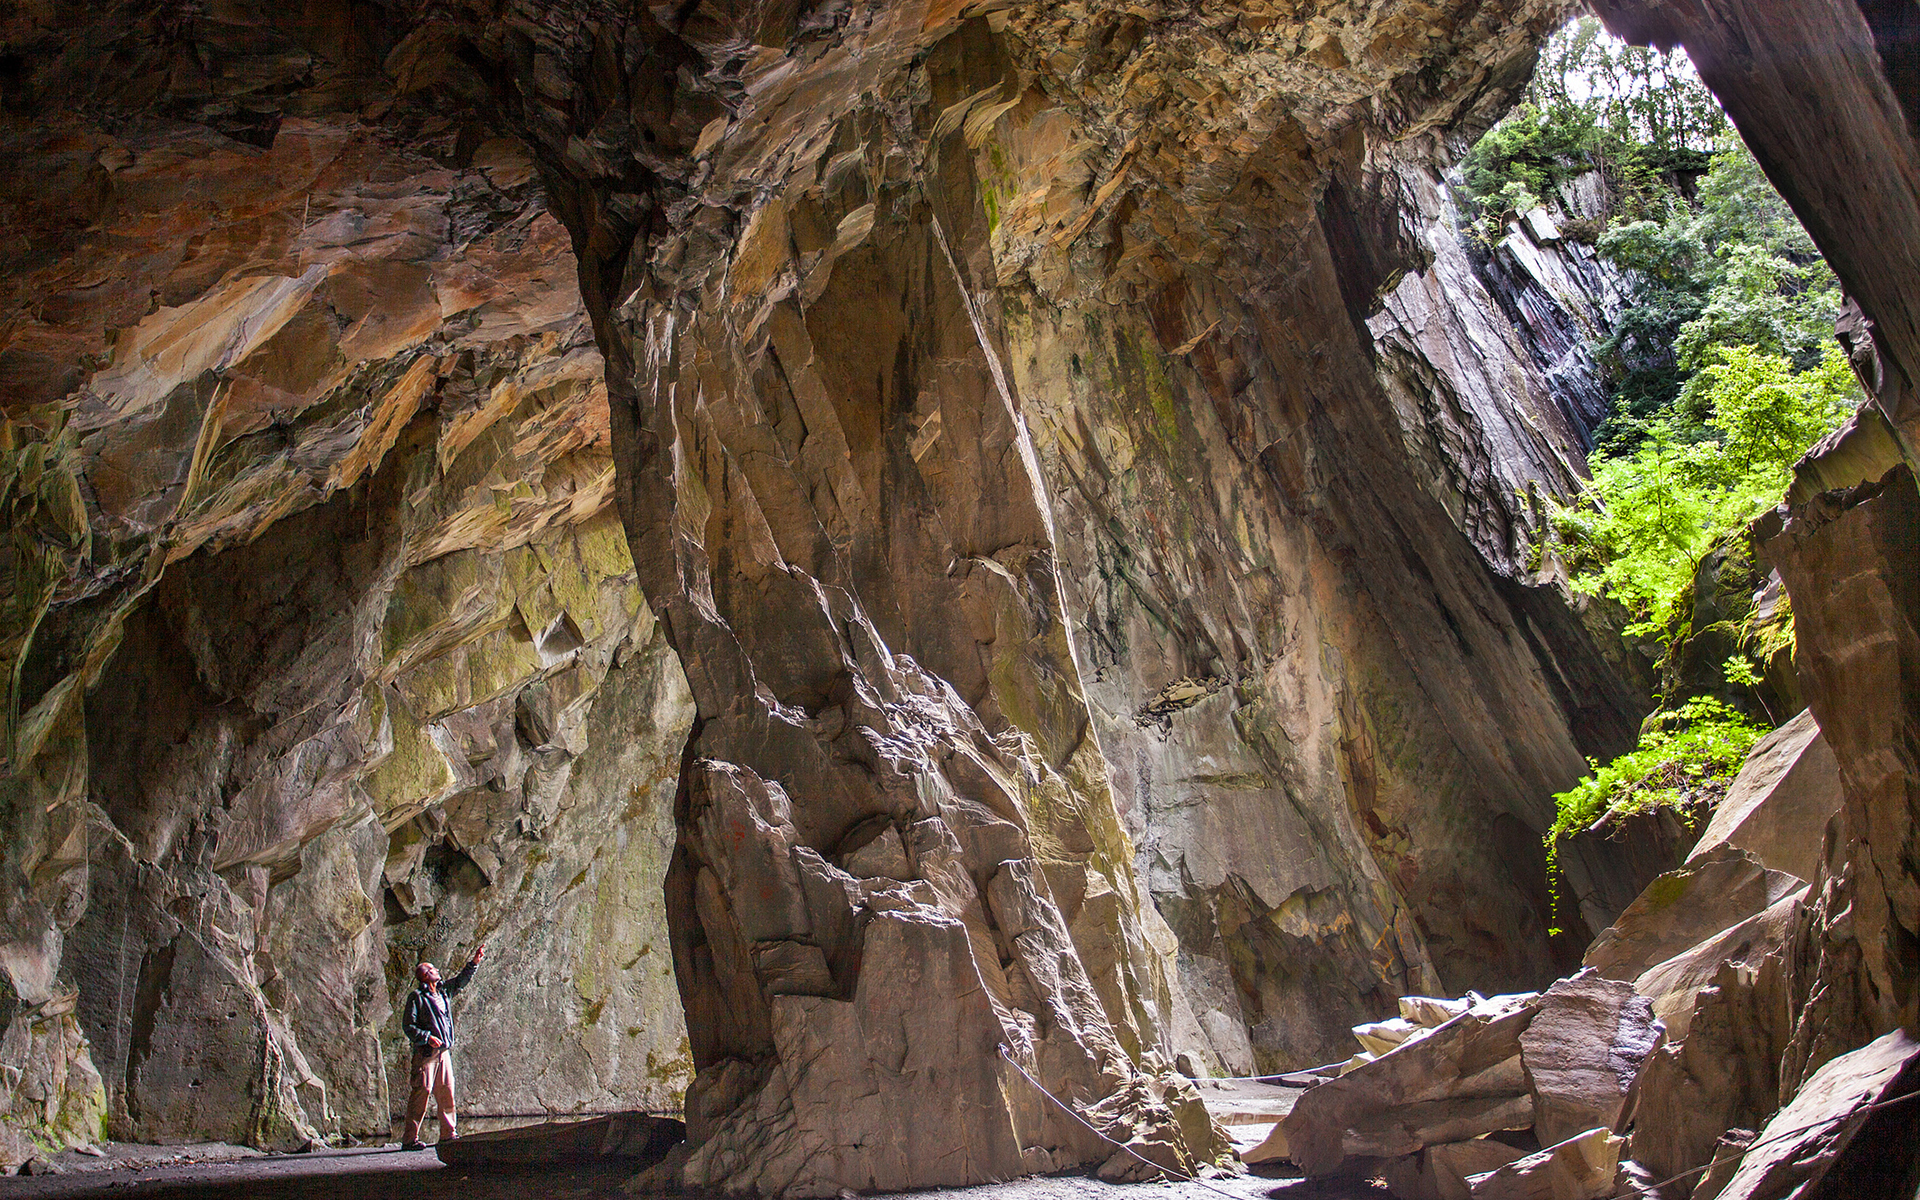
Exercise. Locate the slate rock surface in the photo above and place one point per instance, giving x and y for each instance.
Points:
(1582, 1052)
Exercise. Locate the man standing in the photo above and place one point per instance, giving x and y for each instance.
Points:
(428, 1023)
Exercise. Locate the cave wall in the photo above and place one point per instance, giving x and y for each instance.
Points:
(1294, 491)
(1067, 453)
(327, 653)
(998, 198)
(1332, 724)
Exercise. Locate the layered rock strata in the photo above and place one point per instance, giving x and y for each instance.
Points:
(841, 507)
(1004, 450)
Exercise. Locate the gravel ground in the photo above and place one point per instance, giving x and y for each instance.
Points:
(380, 1173)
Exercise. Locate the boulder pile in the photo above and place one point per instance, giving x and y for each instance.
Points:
(1649, 1071)
(1500, 1096)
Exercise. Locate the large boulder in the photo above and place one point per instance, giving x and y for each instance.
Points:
(1784, 796)
(1582, 1052)
(1441, 1172)
(1823, 1143)
(1722, 1076)
(1456, 1082)
(1684, 908)
(1674, 984)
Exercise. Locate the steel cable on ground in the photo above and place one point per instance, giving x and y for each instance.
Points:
(1069, 1110)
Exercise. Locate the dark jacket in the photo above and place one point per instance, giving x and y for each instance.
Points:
(431, 1013)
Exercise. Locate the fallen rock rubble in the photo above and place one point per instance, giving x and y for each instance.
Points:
(1648, 1072)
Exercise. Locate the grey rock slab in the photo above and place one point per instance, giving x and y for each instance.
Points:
(1410, 1127)
(1779, 804)
(1449, 1166)
(1582, 1052)
(1815, 1133)
(1674, 984)
(1714, 891)
(1724, 1074)
(1440, 1172)
(638, 1137)
(1475, 1056)
(1581, 1168)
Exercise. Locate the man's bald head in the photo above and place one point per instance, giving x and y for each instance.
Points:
(427, 972)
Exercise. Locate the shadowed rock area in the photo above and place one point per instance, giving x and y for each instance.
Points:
(985, 540)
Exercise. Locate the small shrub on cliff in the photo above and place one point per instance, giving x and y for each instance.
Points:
(1688, 759)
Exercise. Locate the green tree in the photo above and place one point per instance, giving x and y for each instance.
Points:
(1734, 268)
(1762, 300)
(1594, 103)
(1661, 504)
(1657, 509)
(1768, 415)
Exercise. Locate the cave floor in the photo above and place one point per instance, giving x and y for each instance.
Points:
(377, 1173)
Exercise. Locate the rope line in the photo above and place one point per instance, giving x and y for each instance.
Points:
(1068, 1109)
(1783, 1136)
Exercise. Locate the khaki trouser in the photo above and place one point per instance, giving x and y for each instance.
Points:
(432, 1076)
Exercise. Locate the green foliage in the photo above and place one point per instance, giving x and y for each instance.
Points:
(1723, 370)
(1735, 269)
(1527, 157)
(1763, 301)
(1659, 506)
(1768, 414)
(1647, 99)
(1670, 768)
(1657, 515)
(1595, 103)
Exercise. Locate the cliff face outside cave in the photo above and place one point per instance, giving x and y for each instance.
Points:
(1011, 517)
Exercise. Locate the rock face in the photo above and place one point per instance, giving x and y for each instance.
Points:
(1684, 908)
(1460, 1080)
(1067, 607)
(1233, 694)
(329, 654)
(1788, 789)
(845, 310)
(635, 1137)
(1069, 590)
(1582, 1052)
(1809, 1146)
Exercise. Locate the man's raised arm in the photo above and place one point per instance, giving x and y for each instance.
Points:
(466, 973)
